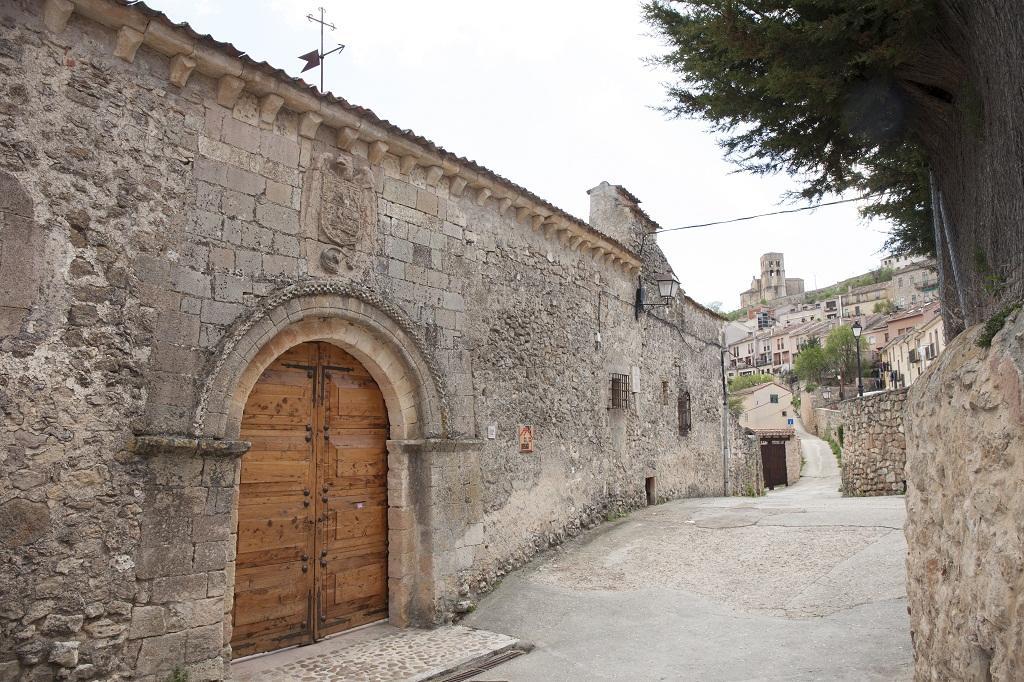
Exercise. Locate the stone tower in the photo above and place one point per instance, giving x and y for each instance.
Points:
(773, 283)
(773, 276)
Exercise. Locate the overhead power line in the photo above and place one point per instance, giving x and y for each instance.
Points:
(762, 215)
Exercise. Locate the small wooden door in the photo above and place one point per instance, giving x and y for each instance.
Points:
(773, 461)
(312, 510)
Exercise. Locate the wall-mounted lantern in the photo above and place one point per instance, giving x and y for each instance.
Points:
(668, 285)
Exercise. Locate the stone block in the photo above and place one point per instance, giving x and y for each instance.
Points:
(220, 312)
(400, 192)
(209, 170)
(278, 266)
(216, 583)
(241, 135)
(399, 249)
(187, 281)
(178, 588)
(58, 624)
(104, 628)
(229, 288)
(427, 202)
(279, 193)
(177, 327)
(161, 560)
(249, 263)
(286, 245)
(209, 556)
(210, 670)
(279, 148)
(401, 519)
(161, 654)
(64, 654)
(195, 613)
(278, 218)
(10, 671)
(454, 301)
(235, 204)
(211, 527)
(244, 181)
(205, 642)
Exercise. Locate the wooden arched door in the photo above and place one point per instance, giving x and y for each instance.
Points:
(312, 506)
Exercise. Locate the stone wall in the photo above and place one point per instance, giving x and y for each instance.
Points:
(808, 413)
(965, 510)
(827, 421)
(794, 460)
(190, 214)
(874, 444)
(747, 474)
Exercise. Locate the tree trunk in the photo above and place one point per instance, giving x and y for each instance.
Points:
(966, 90)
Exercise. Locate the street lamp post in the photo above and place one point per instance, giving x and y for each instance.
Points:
(860, 379)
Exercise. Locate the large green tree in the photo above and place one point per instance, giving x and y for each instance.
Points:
(811, 365)
(841, 350)
(913, 103)
(806, 87)
(838, 357)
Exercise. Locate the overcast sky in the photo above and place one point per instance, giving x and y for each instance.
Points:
(555, 96)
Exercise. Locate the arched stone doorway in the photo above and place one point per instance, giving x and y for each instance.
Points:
(434, 505)
(312, 541)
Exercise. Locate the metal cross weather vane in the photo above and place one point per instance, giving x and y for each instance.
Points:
(316, 57)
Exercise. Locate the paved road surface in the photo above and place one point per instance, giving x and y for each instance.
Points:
(802, 584)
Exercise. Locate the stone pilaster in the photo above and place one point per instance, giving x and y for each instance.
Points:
(435, 524)
(181, 618)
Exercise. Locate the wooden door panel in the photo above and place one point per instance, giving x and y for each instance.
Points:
(353, 471)
(355, 590)
(358, 520)
(272, 605)
(311, 498)
(276, 516)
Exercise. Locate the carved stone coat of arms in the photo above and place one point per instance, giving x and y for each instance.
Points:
(340, 207)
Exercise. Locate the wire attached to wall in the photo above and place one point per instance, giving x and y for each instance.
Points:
(763, 215)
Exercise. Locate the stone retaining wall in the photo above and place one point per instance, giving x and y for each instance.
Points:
(794, 460)
(827, 421)
(808, 416)
(747, 476)
(874, 445)
(965, 510)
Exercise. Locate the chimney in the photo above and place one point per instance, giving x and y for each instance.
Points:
(616, 213)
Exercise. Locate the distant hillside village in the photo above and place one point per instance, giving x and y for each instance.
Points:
(895, 306)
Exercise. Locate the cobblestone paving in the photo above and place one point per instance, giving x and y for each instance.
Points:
(399, 655)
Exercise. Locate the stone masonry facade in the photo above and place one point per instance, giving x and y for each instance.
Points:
(745, 462)
(175, 216)
(965, 510)
(874, 444)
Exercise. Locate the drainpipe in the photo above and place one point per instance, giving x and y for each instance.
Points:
(725, 421)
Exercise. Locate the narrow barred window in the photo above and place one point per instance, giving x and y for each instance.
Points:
(685, 417)
(620, 392)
